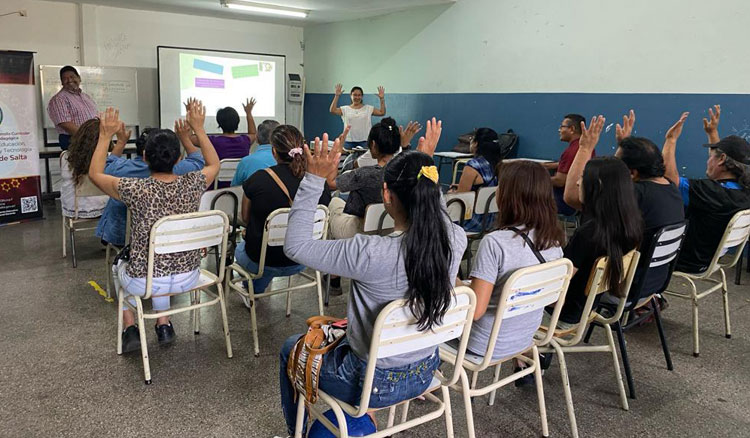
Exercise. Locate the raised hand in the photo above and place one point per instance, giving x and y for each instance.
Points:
(182, 128)
(711, 125)
(342, 138)
(248, 105)
(428, 143)
(190, 101)
(674, 132)
(109, 123)
(123, 135)
(339, 89)
(407, 134)
(590, 136)
(626, 129)
(381, 92)
(323, 162)
(196, 115)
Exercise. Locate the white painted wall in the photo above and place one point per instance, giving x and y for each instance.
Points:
(65, 33)
(493, 46)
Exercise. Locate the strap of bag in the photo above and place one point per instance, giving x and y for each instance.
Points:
(530, 243)
(280, 183)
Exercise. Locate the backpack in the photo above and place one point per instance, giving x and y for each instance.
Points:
(508, 142)
(324, 333)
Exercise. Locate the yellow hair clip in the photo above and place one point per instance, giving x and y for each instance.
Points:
(430, 172)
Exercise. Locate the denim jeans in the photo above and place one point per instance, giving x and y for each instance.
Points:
(342, 375)
(269, 272)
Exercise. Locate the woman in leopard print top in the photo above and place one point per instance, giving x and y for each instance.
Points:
(149, 199)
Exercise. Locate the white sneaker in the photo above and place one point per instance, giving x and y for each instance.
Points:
(247, 301)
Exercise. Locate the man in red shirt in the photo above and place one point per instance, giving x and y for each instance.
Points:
(570, 131)
(70, 107)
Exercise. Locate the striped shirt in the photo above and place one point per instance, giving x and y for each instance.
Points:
(67, 106)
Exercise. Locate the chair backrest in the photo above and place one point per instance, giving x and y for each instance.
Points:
(228, 200)
(664, 248)
(527, 290)
(734, 238)
(377, 219)
(596, 286)
(274, 230)
(486, 200)
(460, 205)
(187, 232)
(227, 169)
(395, 332)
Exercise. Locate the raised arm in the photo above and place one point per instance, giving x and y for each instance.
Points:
(711, 125)
(381, 95)
(334, 109)
(586, 146)
(626, 129)
(109, 124)
(183, 131)
(670, 148)
(122, 140)
(407, 134)
(252, 131)
(196, 117)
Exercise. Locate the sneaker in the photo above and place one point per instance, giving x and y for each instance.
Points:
(545, 360)
(526, 380)
(247, 301)
(131, 339)
(165, 333)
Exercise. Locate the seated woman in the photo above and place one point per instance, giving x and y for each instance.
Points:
(150, 199)
(527, 211)
(364, 184)
(268, 190)
(403, 265)
(76, 167)
(480, 171)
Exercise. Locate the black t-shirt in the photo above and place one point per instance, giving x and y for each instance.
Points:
(266, 196)
(660, 205)
(580, 251)
(365, 187)
(711, 205)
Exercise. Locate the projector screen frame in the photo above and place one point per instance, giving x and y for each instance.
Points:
(158, 75)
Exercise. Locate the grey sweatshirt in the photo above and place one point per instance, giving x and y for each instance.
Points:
(374, 263)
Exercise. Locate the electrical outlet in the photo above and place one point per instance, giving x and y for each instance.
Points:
(23, 13)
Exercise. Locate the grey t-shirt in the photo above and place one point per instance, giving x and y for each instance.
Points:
(374, 263)
(364, 185)
(500, 254)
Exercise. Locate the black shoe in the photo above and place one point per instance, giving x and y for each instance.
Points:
(526, 380)
(131, 339)
(545, 360)
(165, 333)
(335, 289)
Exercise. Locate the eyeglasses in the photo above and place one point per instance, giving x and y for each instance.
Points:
(564, 126)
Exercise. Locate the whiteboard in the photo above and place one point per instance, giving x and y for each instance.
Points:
(108, 86)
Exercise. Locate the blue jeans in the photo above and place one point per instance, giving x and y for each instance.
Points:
(269, 272)
(64, 141)
(342, 375)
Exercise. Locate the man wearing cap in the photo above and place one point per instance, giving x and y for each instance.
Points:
(710, 203)
(70, 107)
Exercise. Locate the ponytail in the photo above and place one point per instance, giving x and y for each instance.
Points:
(488, 146)
(426, 243)
(386, 137)
(287, 141)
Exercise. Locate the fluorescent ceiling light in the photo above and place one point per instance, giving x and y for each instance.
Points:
(264, 8)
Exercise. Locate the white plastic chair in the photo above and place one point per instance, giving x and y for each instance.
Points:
(273, 236)
(734, 238)
(71, 225)
(458, 162)
(485, 204)
(567, 341)
(112, 251)
(377, 220)
(227, 169)
(527, 290)
(460, 206)
(178, 233)
(228, 200)
(395, 332)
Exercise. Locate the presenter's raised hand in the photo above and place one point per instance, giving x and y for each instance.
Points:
(590, 136)
(338, 89)
(381, 92)
(675, 131)
(407, 134)
(196, 115)
(626, 129)
(323, 162)
(109, 123)
(249, 105)
(429, 142)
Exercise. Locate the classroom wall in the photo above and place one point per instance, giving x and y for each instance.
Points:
(67, 33)
(523, 65)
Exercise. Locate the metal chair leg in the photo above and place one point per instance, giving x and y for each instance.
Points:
(625, 360)
(73, 247)
(664, 347)
(588, 334)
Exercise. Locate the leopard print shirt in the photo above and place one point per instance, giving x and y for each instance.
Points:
(150, 200)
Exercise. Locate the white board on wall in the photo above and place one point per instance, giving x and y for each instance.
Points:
(108, 86)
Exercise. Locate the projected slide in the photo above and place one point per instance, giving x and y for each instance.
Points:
(221, 82)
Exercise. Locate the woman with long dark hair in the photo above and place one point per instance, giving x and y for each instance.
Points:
(419, 262)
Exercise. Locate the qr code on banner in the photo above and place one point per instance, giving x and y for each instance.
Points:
(29, 205)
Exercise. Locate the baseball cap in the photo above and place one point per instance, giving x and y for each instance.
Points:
(735, 147)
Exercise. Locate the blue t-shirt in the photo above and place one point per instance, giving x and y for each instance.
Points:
(260, 159)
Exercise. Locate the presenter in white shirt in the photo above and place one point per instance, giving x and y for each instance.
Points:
(357, 115)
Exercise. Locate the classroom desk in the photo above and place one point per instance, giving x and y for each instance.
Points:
(54, 152)
(450, 157)
(536, 160)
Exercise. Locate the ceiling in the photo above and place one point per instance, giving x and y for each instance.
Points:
(321, 11)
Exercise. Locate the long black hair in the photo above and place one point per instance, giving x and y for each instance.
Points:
(609, 203)
(426, 243)
(488, 146)
(641, 154)
(385, 136)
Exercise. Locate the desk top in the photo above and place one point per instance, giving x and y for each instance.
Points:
(536, 160)
(453, 154)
